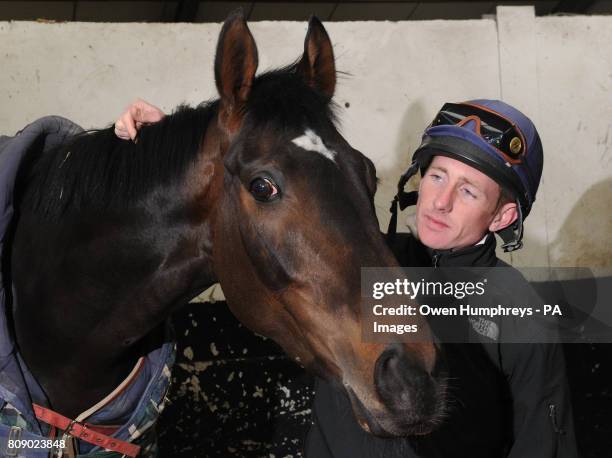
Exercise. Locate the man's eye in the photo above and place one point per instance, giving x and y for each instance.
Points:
(469, 193)
(435, 177)
(263, 189)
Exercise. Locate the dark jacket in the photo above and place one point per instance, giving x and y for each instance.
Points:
(505, 400)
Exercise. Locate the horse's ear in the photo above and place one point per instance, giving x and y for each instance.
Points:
(317, 65)
(235, 67)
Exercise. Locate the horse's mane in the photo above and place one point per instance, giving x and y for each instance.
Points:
(96, 171)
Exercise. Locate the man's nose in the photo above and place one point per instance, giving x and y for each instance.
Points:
(444, 199)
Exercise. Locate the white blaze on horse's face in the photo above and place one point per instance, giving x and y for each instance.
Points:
(312, 142)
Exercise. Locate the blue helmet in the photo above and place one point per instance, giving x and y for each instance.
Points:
(490, 136)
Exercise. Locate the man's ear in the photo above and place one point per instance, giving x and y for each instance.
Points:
(235, 67)
(504, 217)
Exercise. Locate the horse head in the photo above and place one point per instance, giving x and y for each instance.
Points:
(295, 222)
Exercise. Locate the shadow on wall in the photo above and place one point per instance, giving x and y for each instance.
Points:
(585, 238)
(413, 122)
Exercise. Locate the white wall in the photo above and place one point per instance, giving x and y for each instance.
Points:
(558, 70)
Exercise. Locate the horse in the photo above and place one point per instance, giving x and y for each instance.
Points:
(256, 190)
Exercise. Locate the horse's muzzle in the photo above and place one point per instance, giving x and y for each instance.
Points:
(414, 399)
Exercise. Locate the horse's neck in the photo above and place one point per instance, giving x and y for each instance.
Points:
(89, 292)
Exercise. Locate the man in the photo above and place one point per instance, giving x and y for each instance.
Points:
(481, 163)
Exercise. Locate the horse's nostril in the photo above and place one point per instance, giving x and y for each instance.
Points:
(393, 367)
(400, 379)
(385, 359)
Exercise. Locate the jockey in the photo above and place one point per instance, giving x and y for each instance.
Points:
(481, 163)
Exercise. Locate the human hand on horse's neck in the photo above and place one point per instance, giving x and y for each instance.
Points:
(136, 115)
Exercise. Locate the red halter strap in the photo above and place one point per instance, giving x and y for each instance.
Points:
(82, 432)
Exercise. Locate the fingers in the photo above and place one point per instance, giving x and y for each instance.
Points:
(120, 130)
(139, 113)
(125, 127)
(145, 112)
(130, 124)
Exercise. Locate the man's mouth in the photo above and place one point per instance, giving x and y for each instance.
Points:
(436, 223)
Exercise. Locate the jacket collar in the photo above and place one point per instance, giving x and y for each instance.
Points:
(482, 255)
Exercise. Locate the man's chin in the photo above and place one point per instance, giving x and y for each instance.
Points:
(434, 240)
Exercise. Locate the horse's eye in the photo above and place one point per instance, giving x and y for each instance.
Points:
(263, 189)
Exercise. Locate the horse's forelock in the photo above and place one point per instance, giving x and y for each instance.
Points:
(282, 96)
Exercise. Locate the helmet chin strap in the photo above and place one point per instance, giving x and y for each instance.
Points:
(513, 234)
(402, 199)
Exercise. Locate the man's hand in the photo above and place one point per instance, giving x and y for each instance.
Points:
(135, 116)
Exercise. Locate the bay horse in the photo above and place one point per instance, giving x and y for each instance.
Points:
(257, 191)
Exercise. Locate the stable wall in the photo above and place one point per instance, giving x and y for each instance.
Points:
(396, 75)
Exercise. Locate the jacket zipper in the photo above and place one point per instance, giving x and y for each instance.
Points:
(552, 413)
(435, 259)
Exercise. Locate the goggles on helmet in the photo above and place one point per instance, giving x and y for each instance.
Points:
(495, 129)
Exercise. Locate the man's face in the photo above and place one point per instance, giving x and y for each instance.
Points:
(458, 205)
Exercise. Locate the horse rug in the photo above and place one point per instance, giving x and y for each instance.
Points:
(122, 424)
